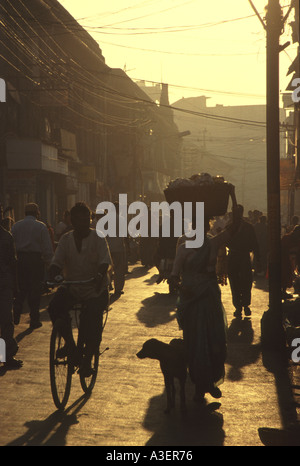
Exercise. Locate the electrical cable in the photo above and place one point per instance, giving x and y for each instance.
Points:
(114, 92)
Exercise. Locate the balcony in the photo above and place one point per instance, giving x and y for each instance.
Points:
(23, 154)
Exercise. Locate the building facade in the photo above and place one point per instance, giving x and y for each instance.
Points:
(72, 127)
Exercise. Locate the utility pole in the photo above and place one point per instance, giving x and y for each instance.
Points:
(296, 38)
(297, 105)
(271, 323)
(272, 329)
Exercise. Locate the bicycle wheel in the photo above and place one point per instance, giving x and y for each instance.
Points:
(88, 383)
(60, 367)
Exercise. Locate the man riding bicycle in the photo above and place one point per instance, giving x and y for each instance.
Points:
(81, 255)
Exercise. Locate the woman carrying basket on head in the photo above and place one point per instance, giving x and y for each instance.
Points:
(200, 311)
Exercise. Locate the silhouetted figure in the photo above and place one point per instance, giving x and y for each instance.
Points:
(290, 247)
(118, 254)
(200, 312)
(294, 222)
(7, 288)
(7, 223)
(82, 255)
(64, 226)
(239, 264)
(34, 251)
(148, 246)
(165, 254)
(261, 231)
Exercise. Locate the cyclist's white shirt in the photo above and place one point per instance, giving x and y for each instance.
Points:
(82, 265)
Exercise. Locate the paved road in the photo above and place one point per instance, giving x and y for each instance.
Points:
(126, 406)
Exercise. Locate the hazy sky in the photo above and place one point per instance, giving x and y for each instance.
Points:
(199, 47)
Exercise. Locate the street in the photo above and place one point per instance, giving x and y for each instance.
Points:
(127, 405)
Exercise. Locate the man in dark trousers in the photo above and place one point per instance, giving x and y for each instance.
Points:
(7, 288)
(34, 251)
(81, 255)
(239, 265)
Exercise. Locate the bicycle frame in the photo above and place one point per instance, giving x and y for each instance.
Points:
(66, 364)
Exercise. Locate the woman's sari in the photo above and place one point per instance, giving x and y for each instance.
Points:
(202, 319)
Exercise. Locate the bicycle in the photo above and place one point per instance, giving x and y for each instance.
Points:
(65, 360)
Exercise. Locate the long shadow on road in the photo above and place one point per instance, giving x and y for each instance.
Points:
(240, 350)
(53, 430)
(201, 426)
(277, 363)
(157, 309)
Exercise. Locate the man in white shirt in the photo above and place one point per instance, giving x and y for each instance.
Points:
(34, 251)
(82, 255)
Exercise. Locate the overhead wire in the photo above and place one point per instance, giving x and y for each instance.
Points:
(97, 120)
(73, 60)
(121, 10)
(23, 50)
(173, 52)
(151, 14)
(119, 122)
(47, 62)
(200, 114)
(156, 50)
(24, 93)
(114, 92)
(137, 30)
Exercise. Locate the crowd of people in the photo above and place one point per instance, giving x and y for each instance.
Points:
(235, 250)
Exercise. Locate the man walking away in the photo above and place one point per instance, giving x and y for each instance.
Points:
(118, 255)
(7, 286)
(239, 265)
(34, 250)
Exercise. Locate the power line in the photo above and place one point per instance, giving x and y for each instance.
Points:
(138, 5)
(71, 25)
(159, 30)
(242, 94)
(152, 14)
(130, 98)
(168, 52)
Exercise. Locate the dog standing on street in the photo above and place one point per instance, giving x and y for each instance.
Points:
(173, 365)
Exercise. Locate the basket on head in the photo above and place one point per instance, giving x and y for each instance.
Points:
(214, 194)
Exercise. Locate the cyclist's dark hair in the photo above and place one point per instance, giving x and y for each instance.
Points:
(79, 208)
